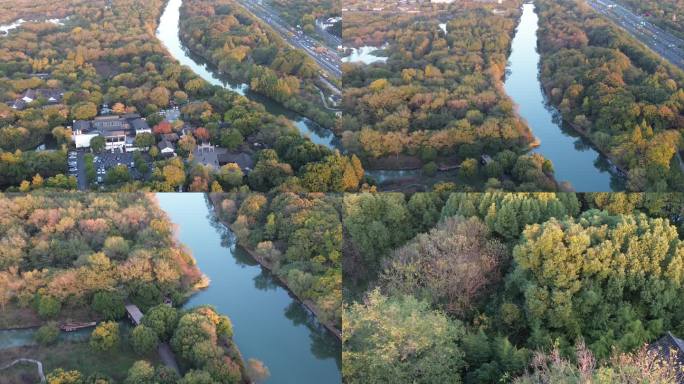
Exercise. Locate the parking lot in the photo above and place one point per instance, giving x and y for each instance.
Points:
(107, 160)
(103, 162)
(77, 168)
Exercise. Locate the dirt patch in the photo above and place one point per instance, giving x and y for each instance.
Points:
(401, 162)
(15, 317)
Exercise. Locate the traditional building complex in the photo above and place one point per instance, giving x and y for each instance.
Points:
(119, 131)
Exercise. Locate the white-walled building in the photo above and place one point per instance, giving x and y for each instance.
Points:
(119, 131)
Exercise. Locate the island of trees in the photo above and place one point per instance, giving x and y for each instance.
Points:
(526, 288)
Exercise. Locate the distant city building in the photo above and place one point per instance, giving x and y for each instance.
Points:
(119, 131)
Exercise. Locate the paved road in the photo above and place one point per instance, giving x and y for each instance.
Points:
(167, 357)
(330, 39)
(662, 42)
(326, 58)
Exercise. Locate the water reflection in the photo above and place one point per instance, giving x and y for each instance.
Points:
(320, 343)
(13, 338)
(574, 159)
(296, 349)
(6, 28)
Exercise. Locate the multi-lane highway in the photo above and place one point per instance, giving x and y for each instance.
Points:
(662, 42)
(330, 39)
(325, 57)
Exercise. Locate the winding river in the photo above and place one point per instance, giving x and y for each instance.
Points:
(573, 158)
(270, 325)
(167, 33)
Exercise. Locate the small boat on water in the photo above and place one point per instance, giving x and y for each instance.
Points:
(75, 326)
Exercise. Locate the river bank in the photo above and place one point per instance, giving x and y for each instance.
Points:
(307, 105)
(269, 324)
(573, 161)
(168, 34)
(308, 304)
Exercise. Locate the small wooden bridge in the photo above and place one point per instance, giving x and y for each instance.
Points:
(134, 314)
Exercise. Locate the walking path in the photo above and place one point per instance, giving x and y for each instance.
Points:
(325, 102)
(38, 363)
(167, 357)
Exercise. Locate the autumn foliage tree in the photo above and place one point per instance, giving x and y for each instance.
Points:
(612, 280)
(162, 128)
(451, 266)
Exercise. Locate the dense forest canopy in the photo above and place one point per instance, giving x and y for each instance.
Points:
(625, 99)
(62, 250)
(477, 287)
(439, 96)
(13, 10)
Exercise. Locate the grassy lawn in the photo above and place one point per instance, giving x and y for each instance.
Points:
(79, 356)
(21, 373)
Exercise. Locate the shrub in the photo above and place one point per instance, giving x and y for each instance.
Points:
(47, 334)
(60, 376)
(48, 307)
(109, 304)
(141, 372)
(430, 169)
(105, 336)
(144, 339)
